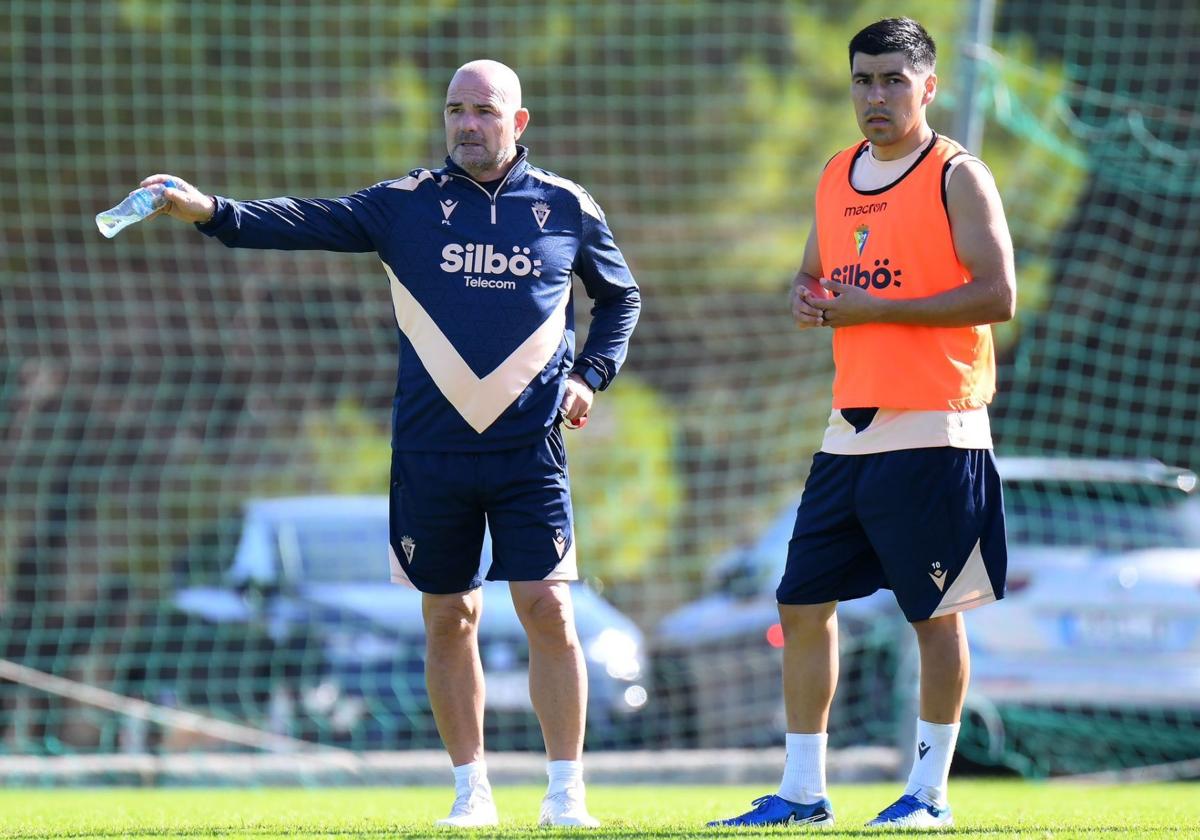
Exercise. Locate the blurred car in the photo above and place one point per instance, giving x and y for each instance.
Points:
(717, 661)
(1092, 662)
(340, 650)
(1099, 634)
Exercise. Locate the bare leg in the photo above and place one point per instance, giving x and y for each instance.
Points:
(945, 671)
(454, 673)
(557, 673)
(810, 664)
(945, 667)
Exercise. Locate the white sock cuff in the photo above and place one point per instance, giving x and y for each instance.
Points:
(802, 740)
(564, 774)
(467, 776)
(804, 767)
(945, 733)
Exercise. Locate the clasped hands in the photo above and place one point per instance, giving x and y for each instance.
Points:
(828, 303)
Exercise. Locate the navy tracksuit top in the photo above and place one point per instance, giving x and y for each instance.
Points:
(481, 287)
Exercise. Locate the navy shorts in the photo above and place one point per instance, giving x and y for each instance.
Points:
(926, 523)
(441, 501)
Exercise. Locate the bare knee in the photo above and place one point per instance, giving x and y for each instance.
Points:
(807, 620)
(943, 630)
(547, 616)
(452, 617)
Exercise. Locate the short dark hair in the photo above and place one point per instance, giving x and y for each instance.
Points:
(896, 35)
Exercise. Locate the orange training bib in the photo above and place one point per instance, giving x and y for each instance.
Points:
(895, 242)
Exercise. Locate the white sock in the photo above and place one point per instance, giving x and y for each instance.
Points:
(469, 777)
(931, 763)
(564, 775)
(804, 768)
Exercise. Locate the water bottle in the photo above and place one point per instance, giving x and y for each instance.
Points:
(137, 205)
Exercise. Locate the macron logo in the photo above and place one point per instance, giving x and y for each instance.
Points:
(922, 749)
(938, 575)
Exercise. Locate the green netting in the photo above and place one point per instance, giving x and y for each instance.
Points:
(152, 384)
(1099, 95)
(1103, 360)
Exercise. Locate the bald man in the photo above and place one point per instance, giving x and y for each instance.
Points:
(479, 256)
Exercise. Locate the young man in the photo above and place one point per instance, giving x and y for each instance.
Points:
(908, 262)
(480, 256)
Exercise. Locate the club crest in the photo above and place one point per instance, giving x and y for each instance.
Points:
(860, 238)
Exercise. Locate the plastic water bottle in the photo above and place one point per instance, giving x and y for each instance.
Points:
(137, 205)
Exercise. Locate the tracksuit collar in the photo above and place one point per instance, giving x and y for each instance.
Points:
(518, 168)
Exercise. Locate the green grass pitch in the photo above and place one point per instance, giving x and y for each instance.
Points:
(993, 809)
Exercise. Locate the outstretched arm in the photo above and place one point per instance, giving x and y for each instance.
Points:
(350, 223)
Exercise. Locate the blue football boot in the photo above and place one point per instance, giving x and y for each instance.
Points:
(910, 812)
(775, 810)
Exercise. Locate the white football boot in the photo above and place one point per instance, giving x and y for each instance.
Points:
(566, 808)
(473, 809)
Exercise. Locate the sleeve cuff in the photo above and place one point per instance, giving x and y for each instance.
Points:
(218, 218)
(592, 375)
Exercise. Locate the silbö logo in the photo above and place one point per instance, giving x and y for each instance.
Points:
(880, 277)
(479, 260)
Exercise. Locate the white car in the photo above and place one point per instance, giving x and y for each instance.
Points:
(306, 608)
(1091, 661)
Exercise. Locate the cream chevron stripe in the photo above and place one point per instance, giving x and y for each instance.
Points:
(410, 182)
(567, 568)
(398, 574)
(972, 587)
(479, 401)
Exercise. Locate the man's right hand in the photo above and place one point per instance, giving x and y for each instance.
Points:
(806, 288)
(184, 201)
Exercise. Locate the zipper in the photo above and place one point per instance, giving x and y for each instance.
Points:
(491, 197)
